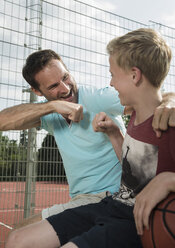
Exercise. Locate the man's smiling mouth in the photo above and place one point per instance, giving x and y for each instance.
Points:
(67, 97)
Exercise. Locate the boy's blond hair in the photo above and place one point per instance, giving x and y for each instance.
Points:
(145, 49)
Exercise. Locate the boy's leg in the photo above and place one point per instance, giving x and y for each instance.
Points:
(37, 235)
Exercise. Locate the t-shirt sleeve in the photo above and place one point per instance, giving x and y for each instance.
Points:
(103, 100)
(47, 120)
(47, 123)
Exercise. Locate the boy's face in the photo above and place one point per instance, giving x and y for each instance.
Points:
(121, 81)
(56, 83)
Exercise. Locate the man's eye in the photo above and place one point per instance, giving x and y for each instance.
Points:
(65, 77)
(53, 86)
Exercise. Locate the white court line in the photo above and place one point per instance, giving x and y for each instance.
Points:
(9, 227)
(17, 210)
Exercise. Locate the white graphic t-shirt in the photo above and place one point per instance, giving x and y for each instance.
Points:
(143, 156)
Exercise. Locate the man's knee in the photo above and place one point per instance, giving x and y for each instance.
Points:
(15, 240)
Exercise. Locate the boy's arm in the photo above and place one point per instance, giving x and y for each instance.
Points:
(102, 123)
(155, 191)
(26, 116)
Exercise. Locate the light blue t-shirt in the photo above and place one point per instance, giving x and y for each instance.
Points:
(89, 160)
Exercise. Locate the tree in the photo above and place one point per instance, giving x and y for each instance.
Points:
(50, 165)
(126, 119)
(24, 138)
(12, 159)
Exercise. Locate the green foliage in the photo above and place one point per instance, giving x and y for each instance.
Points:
(126, 119)
(13, 158)
(24, 138)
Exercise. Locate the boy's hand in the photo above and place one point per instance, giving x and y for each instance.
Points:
(102, 123)
(155, 191)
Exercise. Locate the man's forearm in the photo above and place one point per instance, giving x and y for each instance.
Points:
(28, 115)
(23, 116)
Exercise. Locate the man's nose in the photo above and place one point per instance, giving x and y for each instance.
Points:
(63, 88)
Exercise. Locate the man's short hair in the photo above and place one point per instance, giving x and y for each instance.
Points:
(36, 62)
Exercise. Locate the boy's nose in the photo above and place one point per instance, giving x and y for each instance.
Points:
(111, 84)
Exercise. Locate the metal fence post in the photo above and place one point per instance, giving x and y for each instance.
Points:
(30, 170)
(33, 42)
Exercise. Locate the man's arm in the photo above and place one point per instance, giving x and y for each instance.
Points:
(164, 115)
(26, 116)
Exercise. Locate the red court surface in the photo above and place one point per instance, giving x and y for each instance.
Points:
(12, 196)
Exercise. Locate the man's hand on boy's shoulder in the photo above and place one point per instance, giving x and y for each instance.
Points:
(164, 115)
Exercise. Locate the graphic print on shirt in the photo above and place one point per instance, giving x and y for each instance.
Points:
(139, 165)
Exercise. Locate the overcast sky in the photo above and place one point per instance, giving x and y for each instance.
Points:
(162, 11)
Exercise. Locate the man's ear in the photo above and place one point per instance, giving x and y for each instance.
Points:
(136, 76)
(37, 92)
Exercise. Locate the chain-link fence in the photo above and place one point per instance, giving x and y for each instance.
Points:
(31, 170)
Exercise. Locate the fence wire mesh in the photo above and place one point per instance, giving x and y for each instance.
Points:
(31, 169)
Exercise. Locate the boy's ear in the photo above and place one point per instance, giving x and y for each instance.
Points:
(37, 92)
(136, 75)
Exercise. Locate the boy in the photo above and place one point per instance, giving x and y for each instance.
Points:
(139, 62)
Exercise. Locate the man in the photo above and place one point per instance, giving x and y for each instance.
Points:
(91, 165)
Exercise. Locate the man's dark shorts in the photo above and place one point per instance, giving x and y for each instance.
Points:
(107, 224)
